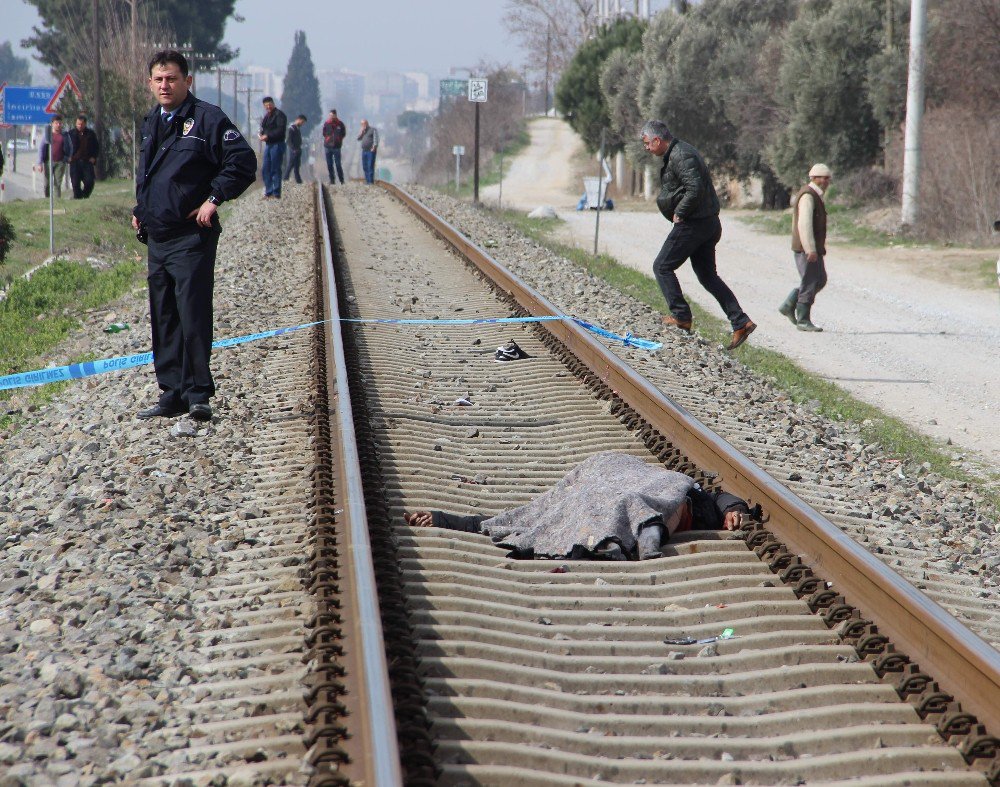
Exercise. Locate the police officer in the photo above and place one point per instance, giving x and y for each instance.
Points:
(193, 159)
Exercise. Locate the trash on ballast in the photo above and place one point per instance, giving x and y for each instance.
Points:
(726, 634)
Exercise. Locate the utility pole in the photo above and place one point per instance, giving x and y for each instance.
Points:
(98, 95)
(475, 169)
(249, 91)
(134, 54)
(548, 63)
(914, 113)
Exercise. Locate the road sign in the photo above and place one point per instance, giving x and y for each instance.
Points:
(26, 105)
(67, 83)
(458, 150)
(453, 87)
(477, 89)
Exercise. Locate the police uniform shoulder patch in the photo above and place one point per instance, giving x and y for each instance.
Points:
(188, 125)
(231, 135)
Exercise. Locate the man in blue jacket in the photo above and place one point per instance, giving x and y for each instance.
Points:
(687, 199)
(193, 159)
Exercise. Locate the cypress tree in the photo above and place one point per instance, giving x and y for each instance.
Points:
(300, 93)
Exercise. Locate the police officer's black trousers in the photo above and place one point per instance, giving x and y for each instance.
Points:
(181, 276)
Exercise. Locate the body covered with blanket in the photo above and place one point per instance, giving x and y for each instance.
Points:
(610, 506)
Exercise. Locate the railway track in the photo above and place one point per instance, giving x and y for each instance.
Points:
(336, 645)
(504, 672)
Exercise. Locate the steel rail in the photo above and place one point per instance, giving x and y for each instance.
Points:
(380, 748)
(961, 662)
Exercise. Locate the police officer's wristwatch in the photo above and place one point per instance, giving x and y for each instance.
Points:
(214, 200)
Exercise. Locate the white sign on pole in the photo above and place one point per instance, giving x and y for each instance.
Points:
(458, 150)
(477, 90)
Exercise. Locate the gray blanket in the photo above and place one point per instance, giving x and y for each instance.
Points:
(609, 496)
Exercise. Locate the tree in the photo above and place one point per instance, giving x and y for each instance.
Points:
(578, 94)
(64, 26)
(501, 126)
(14, 70)
(821, 87)
(549, 31)
(300, 94)
(413, 126)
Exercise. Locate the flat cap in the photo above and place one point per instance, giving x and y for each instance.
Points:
(820, 171)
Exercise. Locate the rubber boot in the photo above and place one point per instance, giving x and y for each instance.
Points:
(788, 305)
(802, 321)
(649, 541)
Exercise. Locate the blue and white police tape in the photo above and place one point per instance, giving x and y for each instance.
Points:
(77, 371)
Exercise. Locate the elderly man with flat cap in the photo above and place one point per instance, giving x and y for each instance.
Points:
(809, 245)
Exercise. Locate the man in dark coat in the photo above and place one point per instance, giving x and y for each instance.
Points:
(273, 127)
(84, 148)
(193, 159)
(295, 148)
(688, 199)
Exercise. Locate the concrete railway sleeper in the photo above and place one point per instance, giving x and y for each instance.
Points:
(506, 672)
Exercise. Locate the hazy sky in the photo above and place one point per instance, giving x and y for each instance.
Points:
(362, 35)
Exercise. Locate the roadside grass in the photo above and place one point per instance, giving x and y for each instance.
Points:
(37, 314)
(803, 387)
(844, 224)
(99, 226)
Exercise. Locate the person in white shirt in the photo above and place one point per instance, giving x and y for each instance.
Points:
(809, 245)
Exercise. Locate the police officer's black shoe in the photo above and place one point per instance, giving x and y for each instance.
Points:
(201, 411)
(159, 411)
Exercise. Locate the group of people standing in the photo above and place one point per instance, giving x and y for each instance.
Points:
(78, 148)
(277, 136)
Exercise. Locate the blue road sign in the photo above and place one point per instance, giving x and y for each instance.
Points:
(26, 105)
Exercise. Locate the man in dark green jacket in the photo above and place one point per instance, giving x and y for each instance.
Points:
(688, 199)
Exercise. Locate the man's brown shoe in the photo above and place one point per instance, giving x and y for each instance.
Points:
(740, 335)
(669, 319)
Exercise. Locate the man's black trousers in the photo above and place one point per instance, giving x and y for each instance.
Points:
(81, 176)
(294, 162)
(696, 239)
(181, 276)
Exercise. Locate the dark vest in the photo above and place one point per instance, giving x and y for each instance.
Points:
(819, 222)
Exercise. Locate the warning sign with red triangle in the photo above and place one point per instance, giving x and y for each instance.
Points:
(67, 83)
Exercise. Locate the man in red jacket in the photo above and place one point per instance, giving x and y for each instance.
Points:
(334, 132)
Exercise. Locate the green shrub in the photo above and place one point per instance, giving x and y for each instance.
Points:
(7, 236)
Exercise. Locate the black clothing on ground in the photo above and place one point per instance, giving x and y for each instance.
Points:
(273, 126)
(686, 189)
(695, 238)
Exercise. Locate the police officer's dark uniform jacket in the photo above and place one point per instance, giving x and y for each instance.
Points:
(198, 155)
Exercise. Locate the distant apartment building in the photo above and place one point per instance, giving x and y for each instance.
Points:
(344, 91)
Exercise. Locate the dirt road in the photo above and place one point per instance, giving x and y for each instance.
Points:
(921, 349)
